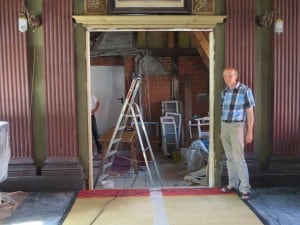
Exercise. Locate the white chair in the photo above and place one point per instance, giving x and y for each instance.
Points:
(198, 123)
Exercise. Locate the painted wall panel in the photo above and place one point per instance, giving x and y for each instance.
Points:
(286, 121)
(240, 41)
(15, 93)
(60, 79)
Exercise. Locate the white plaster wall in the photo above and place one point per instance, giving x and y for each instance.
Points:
(107, 84)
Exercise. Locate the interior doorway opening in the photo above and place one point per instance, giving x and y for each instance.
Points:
(174, 93)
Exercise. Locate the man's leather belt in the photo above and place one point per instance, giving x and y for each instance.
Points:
(232, 121)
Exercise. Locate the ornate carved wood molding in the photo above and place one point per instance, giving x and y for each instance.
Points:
(149, 22)
(203, 7)
(95, 7)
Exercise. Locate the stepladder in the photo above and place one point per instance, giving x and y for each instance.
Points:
(130, 112)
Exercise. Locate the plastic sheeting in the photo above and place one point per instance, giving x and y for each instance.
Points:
(4, 150)
(195, 156)
(202, 144)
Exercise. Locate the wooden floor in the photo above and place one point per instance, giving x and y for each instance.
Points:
(165, 206)
(172, 174)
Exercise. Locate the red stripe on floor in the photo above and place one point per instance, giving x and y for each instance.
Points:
(146, 192)
(191, 191)
(113, 193)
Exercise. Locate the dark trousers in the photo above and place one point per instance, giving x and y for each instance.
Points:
(95, 133)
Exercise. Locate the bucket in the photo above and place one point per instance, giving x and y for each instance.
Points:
(107, 184)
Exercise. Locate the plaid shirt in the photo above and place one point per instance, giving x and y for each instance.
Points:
(235, 102)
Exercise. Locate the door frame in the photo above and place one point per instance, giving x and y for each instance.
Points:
(155, 23)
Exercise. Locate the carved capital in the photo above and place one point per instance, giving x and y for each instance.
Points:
(203, 7)
(95, 7)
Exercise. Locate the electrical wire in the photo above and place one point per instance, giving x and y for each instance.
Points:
(148, 89)
(29, 117)
(104, 207)
(106, 204)
(130, 159)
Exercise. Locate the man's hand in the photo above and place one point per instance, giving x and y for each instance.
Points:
(250, 123)
(96, 107)
(249, 137)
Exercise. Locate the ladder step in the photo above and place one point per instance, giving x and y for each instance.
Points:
(117, 140)
(107, 165)
(146, 149)
(102, 177)
(132, 116)
(121, 128)
(111, 153)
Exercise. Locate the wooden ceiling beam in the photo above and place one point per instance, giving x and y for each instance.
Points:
(201, 42)
(173, 52)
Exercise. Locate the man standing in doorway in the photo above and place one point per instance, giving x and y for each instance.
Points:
(237, 104)
(95, 104)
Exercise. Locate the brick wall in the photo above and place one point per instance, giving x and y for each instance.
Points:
(193, 67)
(128, 68)
(155, 89)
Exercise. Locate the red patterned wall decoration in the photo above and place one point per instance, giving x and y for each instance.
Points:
(286, 118)
(15, 92)
(60, 79)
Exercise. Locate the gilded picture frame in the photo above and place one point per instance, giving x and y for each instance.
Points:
(149, 7)
(95, 7)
